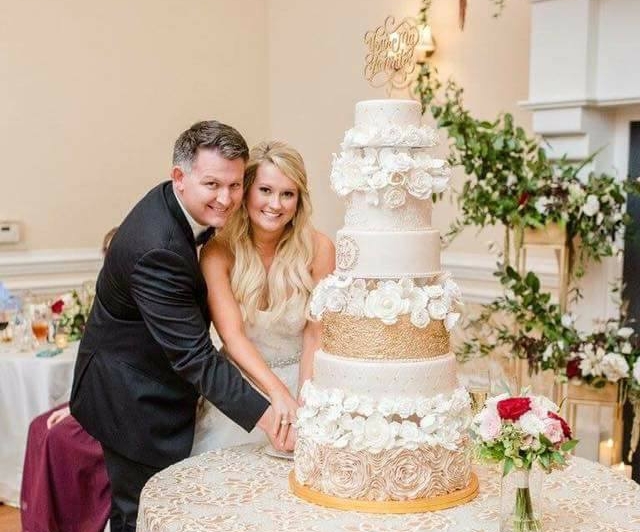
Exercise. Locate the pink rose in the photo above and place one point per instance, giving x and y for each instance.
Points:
(553, 430)
(566, 430)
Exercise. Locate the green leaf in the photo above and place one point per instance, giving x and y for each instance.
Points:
(569, 445)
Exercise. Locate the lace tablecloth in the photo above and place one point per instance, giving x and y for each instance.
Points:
(241, 489)
(28, 386)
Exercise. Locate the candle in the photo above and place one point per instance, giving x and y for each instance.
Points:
(605, 452)
(622, 469)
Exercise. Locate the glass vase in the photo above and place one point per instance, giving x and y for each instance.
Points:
(520, 501)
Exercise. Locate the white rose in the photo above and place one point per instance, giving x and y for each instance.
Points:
(614, 367)
(437, 309)
(377, 432)
(440, 184)
(412, 136)
(567, 320)
(350, 403)
(365, 406)
(318, 301)
(591, 205)
(451, 320)
(394, 197)
(419, 183)
(391, 135)
(531, 424)
(405, 406)
(420, 318)
(357, 426)
(636, 371)
(429, 423)
(626, 348)
(386, 406)
(386, 303)
(336, 299)
(434, 290)
(452, 290)
(410, 432)
(624, 332)
(423, 406)
(378, 179)
(356, 303)
(418, 298)
(540, 405)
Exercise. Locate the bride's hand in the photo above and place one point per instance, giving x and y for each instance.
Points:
(285, 408)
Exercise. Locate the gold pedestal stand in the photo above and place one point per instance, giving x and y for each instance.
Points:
(431, 504)
(553, 237)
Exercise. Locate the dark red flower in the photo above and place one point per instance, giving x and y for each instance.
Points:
(566, 430)
(524, 197)
(513, 407)
(573, 368)
(56, 308)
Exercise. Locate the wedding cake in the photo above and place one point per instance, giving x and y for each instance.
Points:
(384, 421)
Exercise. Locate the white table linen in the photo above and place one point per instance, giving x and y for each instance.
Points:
(241, 489)
(29, 386)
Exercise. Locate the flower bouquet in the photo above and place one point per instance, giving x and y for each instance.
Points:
(520, 432)
(70, 313)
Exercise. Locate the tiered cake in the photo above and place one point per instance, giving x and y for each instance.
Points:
(383, 426)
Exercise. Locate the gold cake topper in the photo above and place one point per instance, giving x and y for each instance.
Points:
(391, 57)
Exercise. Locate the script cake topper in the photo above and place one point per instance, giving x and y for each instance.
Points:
(391, 57)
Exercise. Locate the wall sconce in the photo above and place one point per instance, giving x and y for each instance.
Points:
(426, 45)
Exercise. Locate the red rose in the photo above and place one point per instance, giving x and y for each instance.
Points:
(513, 407)
(56, 308)
(573, 368)
(524, 197)
(566, 430)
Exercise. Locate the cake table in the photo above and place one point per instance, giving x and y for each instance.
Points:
(242, 489)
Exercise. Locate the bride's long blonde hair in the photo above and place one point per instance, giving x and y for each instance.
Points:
(289, 275)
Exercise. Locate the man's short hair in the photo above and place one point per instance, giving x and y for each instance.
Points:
(209, 134)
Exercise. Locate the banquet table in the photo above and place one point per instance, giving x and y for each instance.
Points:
(28, 386)
(242, 489)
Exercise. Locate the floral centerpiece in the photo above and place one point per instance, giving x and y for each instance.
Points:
(520, 432)
(70, 313)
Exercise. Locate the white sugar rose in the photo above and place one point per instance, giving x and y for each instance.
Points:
(413, 136)
(350, 403)
(418, 298)
(420, 318)
(365, 406)
(377, 432)
(614, 367)
(429, 423)
(452, 290)
(440, 184)
(386, 303)
(437, 309)
(336, 299)
(386, 406)
(378, 179)
(450, 320)
(407, 285)
(318, 301)
(400, 162)
(423, 406)
(394, 197)
(410, 432)
(434, 291)
(391, 136)
(419, 183)
(405, 406)
(356, 303)
(591, 205)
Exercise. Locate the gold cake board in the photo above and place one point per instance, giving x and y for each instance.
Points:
(431, 504)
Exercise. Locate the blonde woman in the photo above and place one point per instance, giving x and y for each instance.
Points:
(260, 270)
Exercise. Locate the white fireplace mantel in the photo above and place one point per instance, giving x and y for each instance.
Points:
(584, 90)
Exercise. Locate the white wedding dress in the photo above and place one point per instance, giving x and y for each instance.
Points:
(280, 344)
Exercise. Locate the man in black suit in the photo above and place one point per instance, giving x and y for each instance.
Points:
(146, 354)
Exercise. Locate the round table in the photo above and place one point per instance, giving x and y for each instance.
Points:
(28, 386)
(242, 489)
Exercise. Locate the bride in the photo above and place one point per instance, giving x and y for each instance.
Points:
(260, 270)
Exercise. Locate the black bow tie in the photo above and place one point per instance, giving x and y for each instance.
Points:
(204, 236)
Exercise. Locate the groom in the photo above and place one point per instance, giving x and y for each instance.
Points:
(146, 354)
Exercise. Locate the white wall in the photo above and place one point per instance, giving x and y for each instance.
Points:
(93, 95)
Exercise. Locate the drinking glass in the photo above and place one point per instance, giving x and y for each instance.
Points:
(479, 387)
(40, 322)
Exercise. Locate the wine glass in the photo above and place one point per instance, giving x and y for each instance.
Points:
(479, 387)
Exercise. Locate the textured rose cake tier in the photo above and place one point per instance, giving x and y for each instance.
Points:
(384, 418)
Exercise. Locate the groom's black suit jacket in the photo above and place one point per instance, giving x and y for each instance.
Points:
(146, 354)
